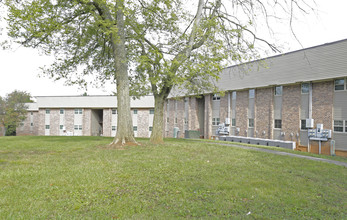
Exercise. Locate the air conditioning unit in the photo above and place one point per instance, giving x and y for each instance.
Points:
(309, 123)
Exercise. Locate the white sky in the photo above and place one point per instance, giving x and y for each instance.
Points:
(19, 68)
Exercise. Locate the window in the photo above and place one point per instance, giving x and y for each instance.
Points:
(31, 124)
(78, 127)
(167, 119)
(303, 124)
(176, 120)
(150, 128)
(278, 90)
(61, 111)
(338, 125)
(215, 121)
(78, 111)
(48, 111)
(233, 122)
(47, 127)
(114, 111)
(251, 93)
(151, 111)
(251, 122)
(305, 88)
(278, 123)
(135, 128)
(114, 128)
(216, 97)
(31, 113)
(185, 120)
(339, 84)
(135, 111)
(61, 127)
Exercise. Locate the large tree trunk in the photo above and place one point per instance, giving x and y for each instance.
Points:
(158, 121)
(125, 133)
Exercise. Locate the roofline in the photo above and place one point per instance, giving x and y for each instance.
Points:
(287, 53)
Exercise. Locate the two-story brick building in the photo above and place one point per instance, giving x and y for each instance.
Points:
(272, 98)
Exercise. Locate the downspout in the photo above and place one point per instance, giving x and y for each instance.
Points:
(309, 111)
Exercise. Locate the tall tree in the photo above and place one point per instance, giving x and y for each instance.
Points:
(87, 38)
(185, 46)
(13, 110)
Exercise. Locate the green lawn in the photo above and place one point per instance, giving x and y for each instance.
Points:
(77, 177)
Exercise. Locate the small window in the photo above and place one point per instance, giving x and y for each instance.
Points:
(251, 122)
(339, 84)
(305, 88)
(176, 120)
(215, 121)
(61, 111)
(233, 95)
(61, 127)
(251, 93)
(278, 123)
(114, 111)
(31, 124)
(48, 111)
(303, 124)
(78, 111)
(135, 128)
(278, 90)
(31, 113)
(135, 111)
(185, 120)
(167, 119)
(233, 122)
(76, 127)
(79, 127)
(151, 111)
(338, 125)
(47, 127)
(150, 128)
(216, 97)
(113, 128)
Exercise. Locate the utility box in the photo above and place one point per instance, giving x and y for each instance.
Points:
(227, 121)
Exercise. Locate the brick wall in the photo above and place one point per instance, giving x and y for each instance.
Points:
(69, 119)
(107, 122)
(143, 123)
(193, 114)
(223, 112)
(54, 122)
(180, 117)
(291, 102)
(242, 112)
(87, 120)
(264, 112)
(41, 121)
(208, 117)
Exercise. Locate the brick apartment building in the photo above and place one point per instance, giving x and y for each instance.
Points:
(84, 116)
(272, 98)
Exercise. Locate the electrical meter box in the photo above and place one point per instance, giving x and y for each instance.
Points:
(319, 133)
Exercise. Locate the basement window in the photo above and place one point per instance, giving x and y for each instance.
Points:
(278, 123)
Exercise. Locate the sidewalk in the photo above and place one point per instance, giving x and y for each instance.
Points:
(339, 163)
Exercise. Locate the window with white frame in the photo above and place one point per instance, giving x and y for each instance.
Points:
(31, 124)
(278, 123)
(251, 93)
(338, 125)
(114, 111)
(233, 122)
(114, 128)
(215, 121)
(151, 111)
(339, 84)
(61, 127)
(135, 111)
(305, 88)
(185, 120)
(61, 111)
(78, 127)
(48, 111)
(216, 97)
(78, 111)
(135, 128)
(278, 90)
(150, 128)
(47, 127)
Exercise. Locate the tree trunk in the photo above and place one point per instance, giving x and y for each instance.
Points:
(125, 133)
(158, 121)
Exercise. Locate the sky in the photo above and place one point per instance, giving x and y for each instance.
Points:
(19, 67)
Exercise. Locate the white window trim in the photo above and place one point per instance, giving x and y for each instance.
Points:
(344, 85)
(275, 124)
(216, 97)
(344, 124)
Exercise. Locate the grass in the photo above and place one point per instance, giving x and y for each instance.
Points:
(79, 178)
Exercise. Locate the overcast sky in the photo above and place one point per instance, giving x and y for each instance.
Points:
(19, 68)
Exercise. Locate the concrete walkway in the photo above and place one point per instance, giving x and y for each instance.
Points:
(339, 163)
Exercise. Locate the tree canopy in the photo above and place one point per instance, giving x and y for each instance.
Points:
(13, 110)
